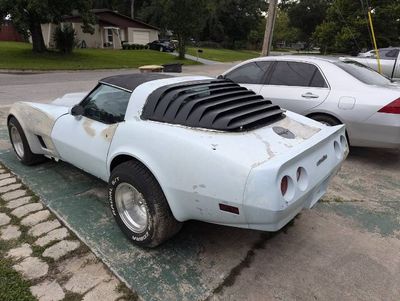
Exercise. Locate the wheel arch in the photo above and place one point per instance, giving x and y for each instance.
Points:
(325, 114)
(331, 116)
(32, 140)
(125, 157)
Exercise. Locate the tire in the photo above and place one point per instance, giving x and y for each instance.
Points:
(149, 204)
(20, 144)
(325, 119)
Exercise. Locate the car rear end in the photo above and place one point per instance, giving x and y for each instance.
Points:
(383, 127)
(380, 123)
(278, 189)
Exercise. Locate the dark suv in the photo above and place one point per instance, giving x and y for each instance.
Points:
(162, 45)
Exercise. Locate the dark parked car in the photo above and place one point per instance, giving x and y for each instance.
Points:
(165, 46)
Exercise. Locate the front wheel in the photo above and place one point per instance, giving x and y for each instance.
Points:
(20, 144)
(139, 205)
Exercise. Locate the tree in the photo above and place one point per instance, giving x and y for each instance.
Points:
(121, 6)
(346, 29)
(283, 32)
(306, 15)
(234, 23)
(185, 18)
(28, 15)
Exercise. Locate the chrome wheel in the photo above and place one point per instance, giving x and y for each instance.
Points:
(16, 140)
(131, 207)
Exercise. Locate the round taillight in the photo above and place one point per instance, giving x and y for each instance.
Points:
(284, 185)
(302, 178)
(338, 150)
(287, 188)
(298, 173)
(343, 141)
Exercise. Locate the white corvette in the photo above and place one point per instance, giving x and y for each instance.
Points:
(179, 148)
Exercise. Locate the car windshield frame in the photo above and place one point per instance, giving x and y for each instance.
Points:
(363, 73)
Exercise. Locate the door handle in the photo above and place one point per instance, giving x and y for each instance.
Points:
(309, 95)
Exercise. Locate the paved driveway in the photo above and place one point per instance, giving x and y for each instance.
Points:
(346, 248)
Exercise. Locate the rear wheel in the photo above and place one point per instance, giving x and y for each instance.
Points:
(139, 205)
(325, 119)
(20, 144)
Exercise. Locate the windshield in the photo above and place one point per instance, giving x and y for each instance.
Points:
(363, 73)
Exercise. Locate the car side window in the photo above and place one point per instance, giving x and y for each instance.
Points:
(392, 53)
(318, 80)
(297, 74)
(106, 104)
(251, 73)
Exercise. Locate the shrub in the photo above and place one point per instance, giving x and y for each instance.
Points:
(64, 38)
(126, 46)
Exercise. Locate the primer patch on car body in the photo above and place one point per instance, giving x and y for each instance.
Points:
(283, 132)
(299, 129)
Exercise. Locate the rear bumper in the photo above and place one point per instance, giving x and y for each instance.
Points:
(265, 207)
(275, 220)
(381, 130)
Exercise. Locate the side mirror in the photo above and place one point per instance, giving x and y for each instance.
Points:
(77, 110)
(221, 77)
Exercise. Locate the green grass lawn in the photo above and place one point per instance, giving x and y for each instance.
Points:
(12, 286)
(223, 55)
(14, 55)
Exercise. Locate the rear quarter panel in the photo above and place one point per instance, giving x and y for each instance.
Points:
(193, 173)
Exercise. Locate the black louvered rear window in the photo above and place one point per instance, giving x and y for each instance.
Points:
(217, 104)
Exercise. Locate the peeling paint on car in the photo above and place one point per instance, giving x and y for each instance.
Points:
(87, 125)
(108, 133)
(36, 122)
(267, 146)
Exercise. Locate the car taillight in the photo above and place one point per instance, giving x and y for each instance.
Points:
(284, 185)
(392, 108)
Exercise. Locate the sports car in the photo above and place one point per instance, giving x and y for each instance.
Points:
(174, 149)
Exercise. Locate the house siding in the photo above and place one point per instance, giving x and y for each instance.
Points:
(106, 19)
(94, 40)
(9, 33)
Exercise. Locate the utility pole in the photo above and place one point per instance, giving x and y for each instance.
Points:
(269, 28)
(133, 9)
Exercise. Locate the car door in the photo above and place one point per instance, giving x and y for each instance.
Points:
(84, 140)
(250, 75)
(295, 86)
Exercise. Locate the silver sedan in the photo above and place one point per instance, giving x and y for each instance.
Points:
(331, 91)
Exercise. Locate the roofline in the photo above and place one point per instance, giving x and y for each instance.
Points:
(295, 57)
(106, 10)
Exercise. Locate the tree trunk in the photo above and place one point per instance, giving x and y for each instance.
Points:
(37, 37)
(181, 47)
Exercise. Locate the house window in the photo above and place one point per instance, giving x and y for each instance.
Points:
(110, 36)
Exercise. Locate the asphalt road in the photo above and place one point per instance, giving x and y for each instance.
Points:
(345, 248)
(44, 87)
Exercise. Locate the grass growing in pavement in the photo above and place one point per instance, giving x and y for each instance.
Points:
(12, 285)
(19, 56)
(223, 55)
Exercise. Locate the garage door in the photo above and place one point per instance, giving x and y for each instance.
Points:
(141, 37)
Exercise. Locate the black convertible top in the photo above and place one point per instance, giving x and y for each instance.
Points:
(131, 81)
